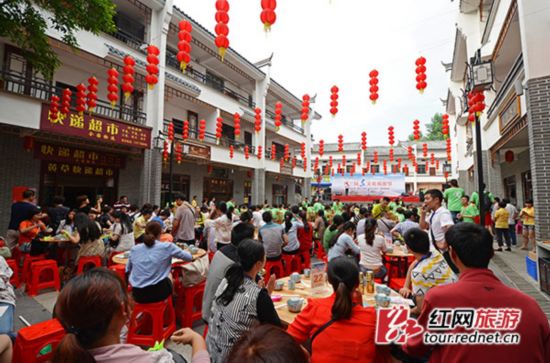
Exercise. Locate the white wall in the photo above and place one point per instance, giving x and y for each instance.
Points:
(20, 111)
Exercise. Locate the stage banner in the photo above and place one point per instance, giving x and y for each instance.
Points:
(391, 185)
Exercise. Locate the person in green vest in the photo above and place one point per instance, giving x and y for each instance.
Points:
(395, 204)
(337, 207)
(469, 211)
(380, 208)
(305, 203)
(230, 203)
(332, 231)
(453, 198)
(318, 206)
(311, 213)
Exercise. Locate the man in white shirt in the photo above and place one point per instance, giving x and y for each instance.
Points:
(512, 216)
(437, 220)
(257, 217)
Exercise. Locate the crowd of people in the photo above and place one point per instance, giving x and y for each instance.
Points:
(450, 269)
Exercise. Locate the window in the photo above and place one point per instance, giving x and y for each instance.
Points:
(214, 81)
(421, 169)
(193, 119)
(228, 132)
(432, 171)
(280, 150)
(130, 29)
(248, 138)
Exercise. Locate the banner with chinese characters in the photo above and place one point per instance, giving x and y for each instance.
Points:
(76, 155)
(391, 185)
(95, 128)
(52, 167)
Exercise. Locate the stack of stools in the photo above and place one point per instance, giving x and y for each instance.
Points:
(87, 262)
(38, 342)
(151, 323)
(27, 260)
(44, 275)
(189, 304)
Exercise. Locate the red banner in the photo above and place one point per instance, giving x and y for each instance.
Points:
(74, 155)
(99, 129)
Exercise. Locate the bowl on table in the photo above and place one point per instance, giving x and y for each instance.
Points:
(382, 300)
(307, 272)
(295, 304)
(279, 285)
(295, 276)
(383, 290)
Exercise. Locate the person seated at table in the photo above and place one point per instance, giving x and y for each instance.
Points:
(67, 224)
(338, 328)
(222, 260)
(240, 302)
(428, 270)
(161, 218)
(332, 232)
(344, 243)
(292, 223)
(149, 266)
(372, 246)
(122, 236)
(273, 237)
(93, 308)
(305, 235)
(140, 223)
(87, 235)
(386, 222)
(480, 290)
(402, 227)
(263, 345)
(29, 230)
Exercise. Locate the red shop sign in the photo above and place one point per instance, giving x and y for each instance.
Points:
(92, 127)
(81, 170)
(76, 155)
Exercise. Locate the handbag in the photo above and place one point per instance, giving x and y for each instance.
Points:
(195, 272)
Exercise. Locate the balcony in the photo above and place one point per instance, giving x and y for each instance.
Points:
(37, 88)
(285, 121)
(130, 40)
(172, 62)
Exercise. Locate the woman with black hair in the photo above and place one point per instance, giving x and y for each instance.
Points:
(123, 233)
(149, 266)
(332, 231)
(86, 234)
(344, 242)
(372, 246)
(240, 302)
(291, 224)
(222, 225)
(339, 329)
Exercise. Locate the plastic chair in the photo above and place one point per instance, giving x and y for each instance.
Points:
(292, 263)
(189, 304)
(36, 343)
(14, 280)
(305, 258)
(120, 270)
(274, 267)
(151, 323)
(397, 283)
(84, 263)
(39, 270)
(27, 260)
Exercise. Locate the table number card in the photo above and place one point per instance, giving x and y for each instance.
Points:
(318, 277)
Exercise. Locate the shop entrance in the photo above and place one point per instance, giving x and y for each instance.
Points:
(221, 189)
(279, 194)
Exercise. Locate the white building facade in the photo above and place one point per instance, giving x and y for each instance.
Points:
(117, 150)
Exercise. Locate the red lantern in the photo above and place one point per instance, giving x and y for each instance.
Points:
(509, 156)
(249, 173)
(305, 164)
(425, 150)
(352, 171)
(268, 16)
(219, 128)
(152, 66)
(80, 98)
(449, 150)
(391, 154)
(92, 93)
(437, 165)
(66, 102)
(367, 166)
(421, 74)
(373, 86)
(184, 44)
(202, 129)
(222, 30)
(358, 158)
(332, 172)
(344, 161)
(410, 152)
(53, 114)
(321, 147)
(185, 132)
(278, 115)
(316, 164)
(416, 129)
(303, 150)
(445, 126)
(340, 143)
(375, 157)
(364, 141)
(446, 174)
(391, 136)
(28, 143)
(260, 151)
(282, 163)
(399, 161)
(287, 152)
(258, 119)
(294, 160)
(334, 100)
(179, 152)
(246, 152)
(165, 151)
(128, 77)
(432, 159)
(231, 151)
(112, 88)
(171, 132)
(237, 124)
(305, 108)
(273, 152)
(385, 165)
(330, 161)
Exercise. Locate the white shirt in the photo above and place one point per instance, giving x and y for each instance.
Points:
(371, 256)
(257, 219)
(441, 219)
(512, 211)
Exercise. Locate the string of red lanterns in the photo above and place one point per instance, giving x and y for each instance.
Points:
(185, 132)
(416, 129)
(334, 100)
(321, 147)
(112, 88)
(128, 76)
(391, 140)
(202, 129)
(358, 158)
(259, 150)
(171, 132)
(476, 105)
(364, 141)
(246, 152)
(152, 66)
(340, 143)
(179, 152)
(445, 126)
(287, 152)
(278, 115)
(425, 150)
(268, 16)
(449, 150)
(184, 44)
(219, 129)
(305, 108)
(231, 151)
(273, 151)
(373, 86)
(92, 94)
(421, 74)
(80, 98)
(66, 102)
(258, 119)
(303, 150)
(221, 29)
(237, 124)
(53, 113)
(165, 151)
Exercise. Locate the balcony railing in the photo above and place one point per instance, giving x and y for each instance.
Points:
(40, 89)
(285, 121)
(508, 82)
(172, 61)
(131, 40)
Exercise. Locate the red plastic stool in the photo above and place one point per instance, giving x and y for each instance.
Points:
(305, 259)
(38, 268)
(189, 304)
(84, 263)
(110, 260)
(14, 280)
(156, 323)
(33, 339)
(274, 267)
(120, 270)
(397, 283)
(292, 263)
(28, 259)
(319, 249)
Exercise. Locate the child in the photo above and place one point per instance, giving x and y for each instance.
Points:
(29, 230)
(501, 226)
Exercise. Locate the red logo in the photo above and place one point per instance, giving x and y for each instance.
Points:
(393, 325)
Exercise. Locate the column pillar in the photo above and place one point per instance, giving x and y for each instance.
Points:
(258, 183)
